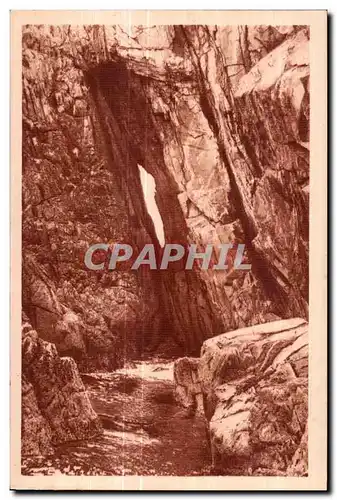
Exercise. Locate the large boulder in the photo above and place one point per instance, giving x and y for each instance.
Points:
(255, 387)
(55, 405)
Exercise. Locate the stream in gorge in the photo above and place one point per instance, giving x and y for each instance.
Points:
(145, 432)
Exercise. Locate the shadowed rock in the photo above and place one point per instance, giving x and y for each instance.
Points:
(55, 406)
(187, 384)
(225, 138)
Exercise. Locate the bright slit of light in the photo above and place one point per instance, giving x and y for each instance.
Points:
(149, 191)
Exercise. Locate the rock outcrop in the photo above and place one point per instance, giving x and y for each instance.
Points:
(187, 384)
(219, 116)
(55, 406)
(254, 383)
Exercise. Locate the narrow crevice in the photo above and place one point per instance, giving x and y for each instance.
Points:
(131, 144)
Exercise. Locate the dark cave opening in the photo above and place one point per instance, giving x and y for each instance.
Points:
(176, 299)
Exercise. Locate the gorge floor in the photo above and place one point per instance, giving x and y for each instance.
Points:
(145, 431)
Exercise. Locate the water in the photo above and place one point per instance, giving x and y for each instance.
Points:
(145, 431)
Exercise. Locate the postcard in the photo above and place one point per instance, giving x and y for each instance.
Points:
(169, 250)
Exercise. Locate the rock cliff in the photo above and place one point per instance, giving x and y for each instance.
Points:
(254, 383)
(219, 116)
(55, 407)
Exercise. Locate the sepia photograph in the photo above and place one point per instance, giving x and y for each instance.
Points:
(164, 198)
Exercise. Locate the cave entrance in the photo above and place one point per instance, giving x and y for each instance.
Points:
(179, 311)
(149, 192)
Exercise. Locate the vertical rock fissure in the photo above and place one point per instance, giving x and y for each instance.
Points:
(187, 314)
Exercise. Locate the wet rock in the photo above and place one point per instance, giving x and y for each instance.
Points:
(255, 388)
(143, 434)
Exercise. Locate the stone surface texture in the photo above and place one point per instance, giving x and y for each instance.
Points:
(55, 406)
(187, 384)
(255, 390)
(219, 116)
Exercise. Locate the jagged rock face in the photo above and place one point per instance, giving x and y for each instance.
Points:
(55, 406)
(187, 384)
(219, 117)
(73, 197)
(255, 387)
(36, 432)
